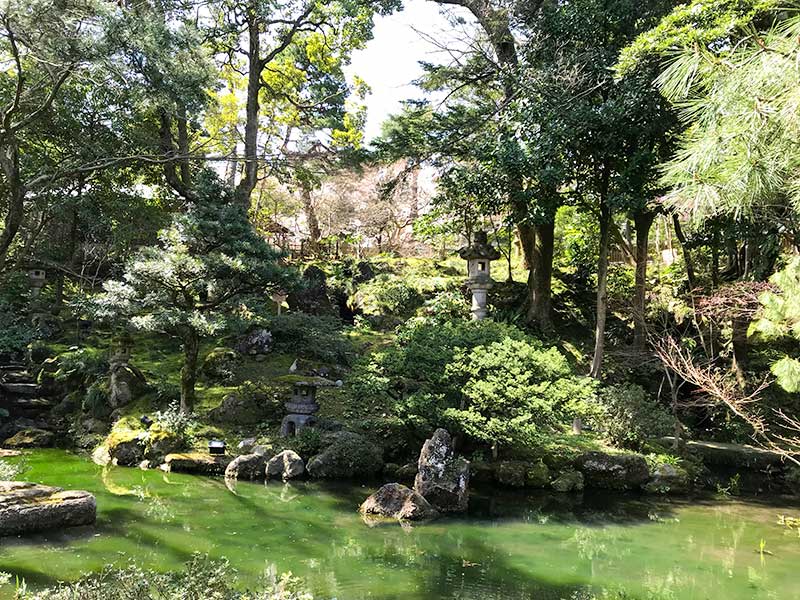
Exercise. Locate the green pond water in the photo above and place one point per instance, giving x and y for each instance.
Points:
(509, 547)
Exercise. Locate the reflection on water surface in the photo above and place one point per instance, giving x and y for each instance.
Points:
(510, 546)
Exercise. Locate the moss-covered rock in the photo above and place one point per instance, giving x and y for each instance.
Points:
(517, 473)
(219, 365)
(126, 448)
(396, 501)
(198, 463)
(28, 507)
(568, 481)
(30, 438)
(667, 479)
(613, 471)
(248, 467)
(510, 473)
(347, 456)
(160, 443)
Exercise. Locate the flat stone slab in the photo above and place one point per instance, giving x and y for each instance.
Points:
(734, 455)
(9, 453)
(22, 389)
(30, 507)
(197, 463)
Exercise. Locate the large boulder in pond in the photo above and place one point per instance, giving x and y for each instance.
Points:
(443, 478)
(197, 463)
(668, 479)
(568, 481)
(30, 438)
(248, 467)
(396, 501)
(286, 465)
(612, 471)
(347, 456)
(126, 448)
(517, 473)
(28, 507)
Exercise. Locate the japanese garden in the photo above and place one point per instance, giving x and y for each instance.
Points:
(399, 299)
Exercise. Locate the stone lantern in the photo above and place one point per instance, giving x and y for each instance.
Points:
(479, 257)
(37, 278)
(303, 405)
(122, 350)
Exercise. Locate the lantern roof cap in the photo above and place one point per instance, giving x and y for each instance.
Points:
(480, 248)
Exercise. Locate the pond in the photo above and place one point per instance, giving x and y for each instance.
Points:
(510, 546)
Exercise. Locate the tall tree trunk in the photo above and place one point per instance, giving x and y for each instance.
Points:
(15, 192)
(191, 350)
(540, 306)
(687, 255)
(642, 221)
(311, 217)
(254, 65)
(496, 22)
(602, 291)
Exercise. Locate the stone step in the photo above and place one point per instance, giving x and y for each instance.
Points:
(21, 389)
(33, 403)
(12, 367)
(17, 377)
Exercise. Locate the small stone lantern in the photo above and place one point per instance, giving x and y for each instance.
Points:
(479, 257)
(122, 351)
(303, 405)
(37, 278)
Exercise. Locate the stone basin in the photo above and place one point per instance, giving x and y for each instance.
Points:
(29, 507)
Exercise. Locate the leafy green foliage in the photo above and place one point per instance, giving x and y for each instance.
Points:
(212, 256)
(425, 347)
(311, 337)
(779, 319)
(387, 295)
(514, 389)
(85, 365)
(208, 266)
(631, 416)
(173, 421)
(738, 155)
(697, 24)
(201, 578)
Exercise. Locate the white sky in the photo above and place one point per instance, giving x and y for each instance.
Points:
(390, 61)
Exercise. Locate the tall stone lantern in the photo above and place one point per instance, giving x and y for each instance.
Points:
(479, 256)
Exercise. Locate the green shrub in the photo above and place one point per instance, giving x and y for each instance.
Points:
(175, 422)
(311, 337)
(514, 390)
(387, 295)
(84, 364)
(16, 331)
(219, 365)
(425, 347)
(631, 416)
(95, 401)
(306, 443)
(201, 578)
(447, 306)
